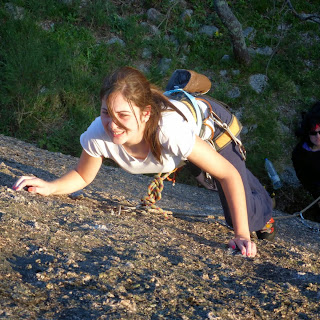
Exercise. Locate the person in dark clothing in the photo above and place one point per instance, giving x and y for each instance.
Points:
(306, 154)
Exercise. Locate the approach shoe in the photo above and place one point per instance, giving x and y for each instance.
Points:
(268, 231)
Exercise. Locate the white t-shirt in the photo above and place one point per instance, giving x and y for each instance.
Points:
(176, 136)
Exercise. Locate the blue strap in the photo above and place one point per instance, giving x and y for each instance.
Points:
(193, 101)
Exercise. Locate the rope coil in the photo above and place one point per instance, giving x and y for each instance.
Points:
(154, 193)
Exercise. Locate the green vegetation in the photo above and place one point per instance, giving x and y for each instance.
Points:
(55, 54)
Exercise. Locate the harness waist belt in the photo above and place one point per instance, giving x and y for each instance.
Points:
(223, 139)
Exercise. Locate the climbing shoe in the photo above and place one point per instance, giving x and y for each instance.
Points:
(268, 231)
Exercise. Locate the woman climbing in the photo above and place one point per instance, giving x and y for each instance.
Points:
(144, 132)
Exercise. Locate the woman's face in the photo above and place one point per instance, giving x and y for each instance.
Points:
(129, 122)
(315, 139)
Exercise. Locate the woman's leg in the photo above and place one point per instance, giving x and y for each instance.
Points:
(259, 203)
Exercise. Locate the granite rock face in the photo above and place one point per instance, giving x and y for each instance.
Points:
(91, 255)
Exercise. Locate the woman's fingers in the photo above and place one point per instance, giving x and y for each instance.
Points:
(246, 247)
(23, 182)
(32, 184)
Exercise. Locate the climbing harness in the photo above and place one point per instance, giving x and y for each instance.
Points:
(229, 130)
(228, 134)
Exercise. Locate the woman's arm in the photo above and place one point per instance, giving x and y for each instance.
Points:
(76, 179)
(212, 162)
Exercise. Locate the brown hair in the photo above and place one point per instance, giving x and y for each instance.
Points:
(135, 87)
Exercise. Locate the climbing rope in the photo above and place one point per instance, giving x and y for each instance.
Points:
(154, 193)
(303, 220)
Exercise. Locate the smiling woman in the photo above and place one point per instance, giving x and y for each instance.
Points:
(125, 124)
(145, 132)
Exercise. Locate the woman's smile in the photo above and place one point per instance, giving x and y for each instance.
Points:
(125, 123)
(117, 134)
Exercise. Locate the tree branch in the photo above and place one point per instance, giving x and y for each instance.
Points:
(304, 16)
(234, 27)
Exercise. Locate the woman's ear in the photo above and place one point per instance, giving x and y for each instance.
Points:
(146, 113)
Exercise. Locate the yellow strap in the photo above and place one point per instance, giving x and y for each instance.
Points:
(230, 132)
(223, 139)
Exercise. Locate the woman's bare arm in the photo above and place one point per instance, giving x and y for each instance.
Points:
(76, 179)
(212, 162)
